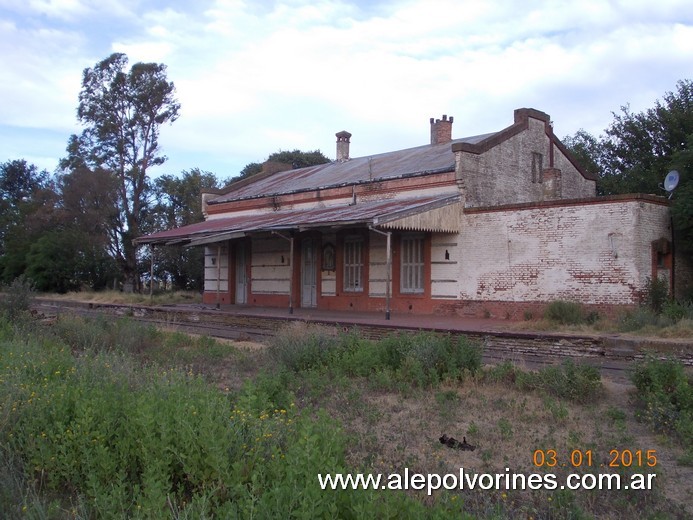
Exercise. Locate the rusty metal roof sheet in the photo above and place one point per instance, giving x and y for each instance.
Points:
(391, 165)
(361, 213)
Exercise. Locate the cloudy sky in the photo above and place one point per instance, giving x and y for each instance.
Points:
(258, 76)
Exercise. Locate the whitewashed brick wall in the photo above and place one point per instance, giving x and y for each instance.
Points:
(503, 174)
(594, 253)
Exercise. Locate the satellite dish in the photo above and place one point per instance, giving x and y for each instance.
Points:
(671, 181)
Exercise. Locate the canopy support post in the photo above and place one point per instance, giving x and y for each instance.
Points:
(151, 273)
(218, 275)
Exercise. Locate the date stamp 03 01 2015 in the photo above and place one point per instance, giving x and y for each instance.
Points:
(585, 459)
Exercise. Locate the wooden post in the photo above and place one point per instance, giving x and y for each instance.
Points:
(291, 275)
(151, 273)
(218, 274)
(388, 268)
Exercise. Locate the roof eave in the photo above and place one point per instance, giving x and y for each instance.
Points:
(450, 168)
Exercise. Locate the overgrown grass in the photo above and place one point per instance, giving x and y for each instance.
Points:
(87, 431)
(419, 359)
(576, 382)
(656, 316)
(105, 334)
(665, 393)
(119, 297)
(95, 435)
(565, 312)
(674, 320)
(351, 376)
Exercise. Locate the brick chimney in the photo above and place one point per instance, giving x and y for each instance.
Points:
(441, 130)
(343, 145)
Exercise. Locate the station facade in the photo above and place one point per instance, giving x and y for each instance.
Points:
(498, 224)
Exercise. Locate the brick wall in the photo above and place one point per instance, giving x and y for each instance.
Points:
(597, 252)
(512, 171)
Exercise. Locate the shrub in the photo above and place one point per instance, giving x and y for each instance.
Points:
(637, 319)
(504, 373)
(577, 382)
(655, 294)
(17, 299)
(300, 345)
(361, 357)
(468, 354)
(677, 311)
(121, 441)
(592, 317)
(420, 359)
(426, 358)
(105, 334)
(565, 313)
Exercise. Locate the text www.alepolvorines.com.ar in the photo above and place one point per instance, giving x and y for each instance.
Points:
(486, 481)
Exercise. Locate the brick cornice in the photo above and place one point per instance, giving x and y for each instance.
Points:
(608, 199)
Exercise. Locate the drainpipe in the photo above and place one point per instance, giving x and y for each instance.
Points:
(291, 268)
(388, 267)
(672, 278)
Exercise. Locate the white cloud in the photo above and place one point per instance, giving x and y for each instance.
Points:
(254, 77)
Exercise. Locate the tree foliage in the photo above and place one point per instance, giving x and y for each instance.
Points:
(66, 259)
(638, 149)
(19, 182)
(587, 149)
(250, 169)
(179, 203)
(27, 201)
(298, 159)
(122, 112)
(54, 229)
(90, 204)
(295, 158)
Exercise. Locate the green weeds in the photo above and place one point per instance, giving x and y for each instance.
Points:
(95, 424)
(565, 313)
(87, 432)
(665, 392)
(413, 359)
(576, 382)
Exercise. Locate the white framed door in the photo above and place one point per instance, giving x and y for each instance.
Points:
(309, 271)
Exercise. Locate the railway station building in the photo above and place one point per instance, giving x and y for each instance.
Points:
(498, 224)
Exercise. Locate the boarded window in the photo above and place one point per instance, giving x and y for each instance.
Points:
(412, 269)
(353, 264)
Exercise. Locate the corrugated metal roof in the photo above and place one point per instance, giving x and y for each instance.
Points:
(363, 213)
(400, 163)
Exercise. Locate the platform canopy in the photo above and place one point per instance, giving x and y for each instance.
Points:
(433, 213)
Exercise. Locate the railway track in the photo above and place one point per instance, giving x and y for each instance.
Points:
(613, 356)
